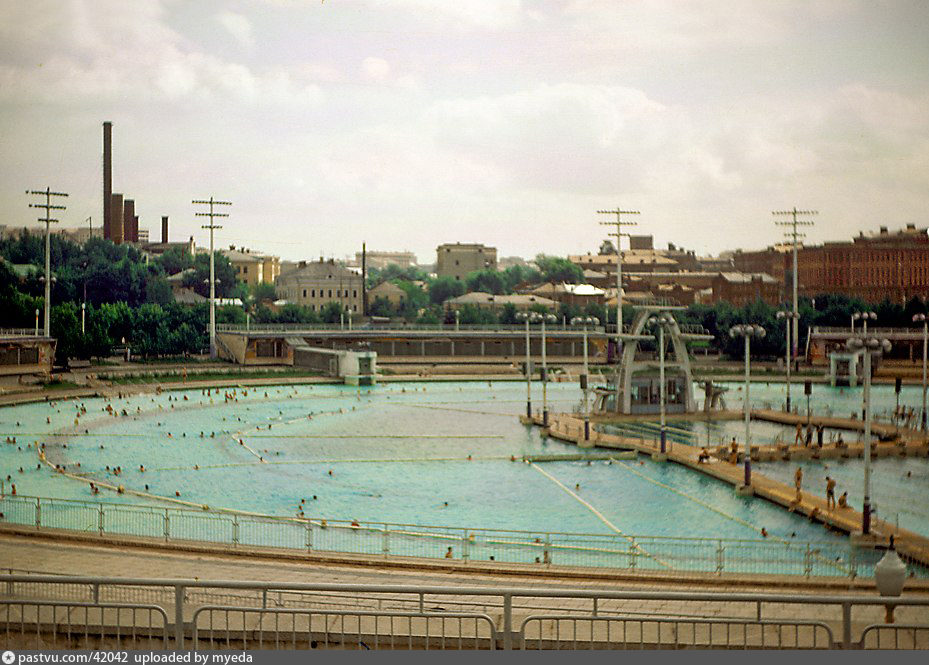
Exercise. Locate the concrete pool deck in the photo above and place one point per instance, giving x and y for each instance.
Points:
(570, 428)
(26, 555)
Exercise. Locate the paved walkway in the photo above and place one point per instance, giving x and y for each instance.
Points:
(41, 555)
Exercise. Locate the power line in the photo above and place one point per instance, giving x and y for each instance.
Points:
(48, 206)
(620, 222)
(212, 226)
(793, 235)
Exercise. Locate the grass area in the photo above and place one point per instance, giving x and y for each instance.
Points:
(172, 377)
(58, 384)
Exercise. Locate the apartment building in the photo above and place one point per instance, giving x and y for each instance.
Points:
(459, 260)
(315, 283)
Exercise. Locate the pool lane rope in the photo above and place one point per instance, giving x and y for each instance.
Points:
(720, 512)
(599, 515)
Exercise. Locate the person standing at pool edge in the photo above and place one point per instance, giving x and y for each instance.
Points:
(798, 482)
(830, 493)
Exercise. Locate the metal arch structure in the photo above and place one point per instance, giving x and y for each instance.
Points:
(677, 341)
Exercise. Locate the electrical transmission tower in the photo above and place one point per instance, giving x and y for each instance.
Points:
(618, 234)
(793, 235)
(212, 226)
(48, 206)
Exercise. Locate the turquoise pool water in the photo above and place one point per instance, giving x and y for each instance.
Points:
(399, 453)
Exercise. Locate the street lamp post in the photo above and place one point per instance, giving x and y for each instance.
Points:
(546, 318)
(660, 322)
(867, 345)
(921, 318)
(585, 378)
(528, 317)
(787, 314)
(864, 316)
(83, 314)
(37, 323)
(747, 331)
(457, 316)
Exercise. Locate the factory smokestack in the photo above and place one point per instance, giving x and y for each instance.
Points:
(108, 180)
(130, 222)
(164, 228)
(116, 218)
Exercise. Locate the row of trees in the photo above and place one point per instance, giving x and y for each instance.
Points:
(128, 298)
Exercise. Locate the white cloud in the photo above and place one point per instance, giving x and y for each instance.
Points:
(463, 14)
(239, 27)
(376, 69)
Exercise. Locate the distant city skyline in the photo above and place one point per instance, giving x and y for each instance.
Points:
(406, 124)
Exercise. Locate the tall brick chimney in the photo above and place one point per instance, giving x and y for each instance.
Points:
(164, 228)
(130, 233)
(108, 180)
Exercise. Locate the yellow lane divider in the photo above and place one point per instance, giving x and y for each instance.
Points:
(229, 465)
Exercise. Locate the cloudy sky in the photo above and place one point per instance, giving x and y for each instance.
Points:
(409, 123)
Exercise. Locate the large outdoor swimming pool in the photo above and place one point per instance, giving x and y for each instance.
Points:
(415, 453)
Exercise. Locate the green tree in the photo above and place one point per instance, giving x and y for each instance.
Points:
(445, 288)
(508, 314)
(556, 269)
(487, 281)
(471, 314)
(520, 276)
(263, 292)
(65, 325)
(381, 307)
(175, 260)
(199, 279)
(332, 312)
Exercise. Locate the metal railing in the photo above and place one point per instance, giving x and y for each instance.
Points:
(179, 613)
(18, 332)
(407, 327)
(385, 539)
(872, 330)
(631, 632)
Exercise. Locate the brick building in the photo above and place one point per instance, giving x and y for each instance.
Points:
(873, 267)
(740, 288)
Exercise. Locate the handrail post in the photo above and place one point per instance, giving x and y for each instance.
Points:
(507, 622)
(38, 513)
(465, 553)
(179, 617)
(846, 625)
(235, 530)
(167, 526)
(100, 520)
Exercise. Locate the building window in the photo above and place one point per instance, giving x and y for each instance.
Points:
(354, 293)
(330, 293)
(304, 293)
(313, 293)
(245, 270)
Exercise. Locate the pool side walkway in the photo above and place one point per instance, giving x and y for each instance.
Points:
(567, 427)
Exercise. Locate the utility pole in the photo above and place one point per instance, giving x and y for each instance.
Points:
(794, 236)
(48, 206)
(211, 226)
(619, 283)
